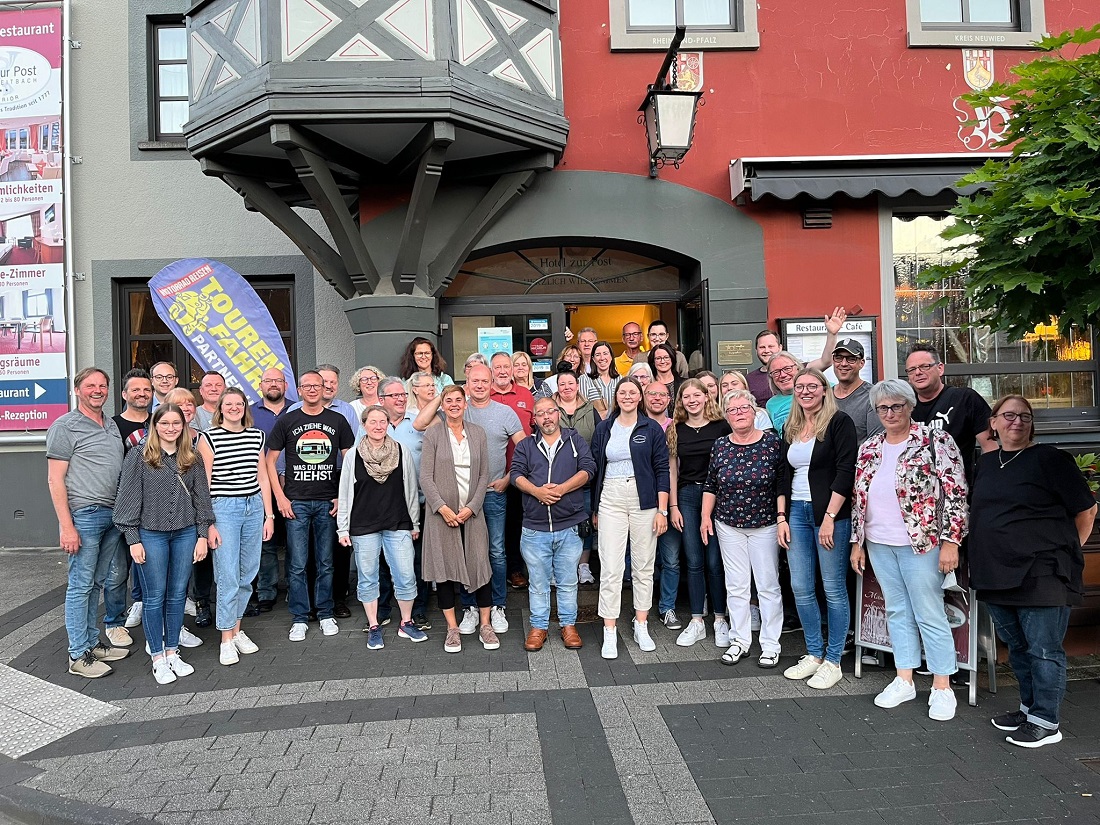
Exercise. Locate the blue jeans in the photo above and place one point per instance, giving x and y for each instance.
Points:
(114, 590)
(912, 587)
(310, 516)
(494, 510)
(240, 521)
(668, 559)
(689, 499)
(400, 555)
(164, 576)
(557, 554)
(805, 556)
(1034, 636)
(89, 569)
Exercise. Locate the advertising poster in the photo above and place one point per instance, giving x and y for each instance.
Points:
(34, 379)
(960, 607)
(217, 315)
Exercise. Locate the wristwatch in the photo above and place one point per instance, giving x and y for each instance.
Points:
(831, 515)
(663, 513)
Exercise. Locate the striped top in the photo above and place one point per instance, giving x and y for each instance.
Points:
(236, 457)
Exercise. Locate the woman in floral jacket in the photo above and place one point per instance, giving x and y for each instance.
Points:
(909, 509)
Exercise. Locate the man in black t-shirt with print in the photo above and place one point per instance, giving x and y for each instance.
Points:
(311, 436)
(959, 411)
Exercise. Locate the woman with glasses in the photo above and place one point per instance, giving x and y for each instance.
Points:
(662, 360)
(908, 517)
(741, 504)
(781, 372)
(422, 356)
(232, 451)
(819, 445)
(1029, 516)
(364, 383)
(736, 380)
(710, 381)
(569, 355)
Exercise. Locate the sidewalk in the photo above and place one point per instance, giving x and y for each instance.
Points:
(327, 731)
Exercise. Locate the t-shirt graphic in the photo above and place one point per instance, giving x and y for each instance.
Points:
(311, 444)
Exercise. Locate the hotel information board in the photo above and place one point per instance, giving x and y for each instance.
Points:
(804, 338)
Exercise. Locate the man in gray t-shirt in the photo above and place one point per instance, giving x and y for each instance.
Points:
(852, 393)
(84, 457)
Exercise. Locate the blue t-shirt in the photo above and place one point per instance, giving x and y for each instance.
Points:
(779, 407)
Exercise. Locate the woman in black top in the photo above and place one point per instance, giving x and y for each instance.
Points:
(662, 361)
(819, 445)
(163, 508)
(379, 511)
(696, 425)
(1030, 512)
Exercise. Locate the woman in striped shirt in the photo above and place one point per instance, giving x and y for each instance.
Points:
(233, 452)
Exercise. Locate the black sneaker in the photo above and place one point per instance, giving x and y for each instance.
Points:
(791, 624)
(1030, 735)
(202, 614)
(252, 610)
(340, 610)
(384, 620)
(849, 642)
(1009, 721)
(422, 621)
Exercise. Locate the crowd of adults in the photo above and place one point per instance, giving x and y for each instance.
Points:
(769, 491)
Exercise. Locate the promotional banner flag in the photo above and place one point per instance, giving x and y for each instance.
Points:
(223, 323)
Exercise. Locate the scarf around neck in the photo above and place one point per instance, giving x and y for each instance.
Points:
(382, 461)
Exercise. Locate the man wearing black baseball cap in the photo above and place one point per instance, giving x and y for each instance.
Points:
(853, 394)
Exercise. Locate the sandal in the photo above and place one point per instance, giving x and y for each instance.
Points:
(733, 655)
(768, 660)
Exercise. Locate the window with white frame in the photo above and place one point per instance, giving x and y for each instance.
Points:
(975, 23)
(638, 25)
(169, 104)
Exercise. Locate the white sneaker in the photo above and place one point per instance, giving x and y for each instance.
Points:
(694, 631)
(584, 575)
(329, 627)
(190, 608)
(298, 631)
(826, 677)
(470, 622)
(805, 668)
(721, 633)
(133, 615)
(189, 639)
(642, 637)
(243, 644)
(754, 618)
(942, 704)
(895, 693)
(498, 620)
(179, 667)
(610, 649)
(228, 654)
(162, 672)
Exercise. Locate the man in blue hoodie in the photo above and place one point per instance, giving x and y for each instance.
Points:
(551, 467)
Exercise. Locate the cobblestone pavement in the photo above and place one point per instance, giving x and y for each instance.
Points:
(327, 731)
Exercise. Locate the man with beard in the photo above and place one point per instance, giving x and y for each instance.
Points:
(265, 414)
(852, 393)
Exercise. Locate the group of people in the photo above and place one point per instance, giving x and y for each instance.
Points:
(511, 479)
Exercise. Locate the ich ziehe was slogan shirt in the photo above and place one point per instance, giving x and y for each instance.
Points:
(311, 444)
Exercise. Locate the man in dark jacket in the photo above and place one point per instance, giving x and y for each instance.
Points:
(550, 468)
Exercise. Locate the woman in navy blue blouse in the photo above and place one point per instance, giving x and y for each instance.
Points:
(740, 506)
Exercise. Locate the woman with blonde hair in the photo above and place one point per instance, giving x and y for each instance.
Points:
(185, 400)
(364, 383)
(782, 369)
(163, 509)
(571, 355)
(819, 445)
(735, 380)
(523, 373)
(696, 424)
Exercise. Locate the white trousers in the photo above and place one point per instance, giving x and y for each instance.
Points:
(752, 552)
(620, 518)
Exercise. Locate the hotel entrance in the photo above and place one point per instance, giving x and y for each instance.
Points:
(526, 299)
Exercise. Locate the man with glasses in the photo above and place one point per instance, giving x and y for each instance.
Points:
(312, 436)
(265, 413)
(632, 338)
(852, 393)
(960, 411)
(587, 338)
(658, 334)
(165, 378)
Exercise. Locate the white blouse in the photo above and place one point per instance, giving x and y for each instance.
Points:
(460, 453)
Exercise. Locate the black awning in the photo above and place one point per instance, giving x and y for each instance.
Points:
(855, 177)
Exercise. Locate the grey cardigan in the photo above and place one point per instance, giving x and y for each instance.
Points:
(347, 489)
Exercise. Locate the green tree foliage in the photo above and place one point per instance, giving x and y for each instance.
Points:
(1030, 241)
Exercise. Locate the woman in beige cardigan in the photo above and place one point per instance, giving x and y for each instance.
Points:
(454, 475)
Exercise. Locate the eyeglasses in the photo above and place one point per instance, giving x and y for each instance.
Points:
(273, 381)
(657, 395)
(632, 335)
(393, 395)
(1027, 418)
(164, 377)
(846, 359)
(885, 409)
(738, 410)
(310, 387)
(422, 354)
(805, 388)
(369, 379)
(920, 368)
(547, 413)
(778, 371)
